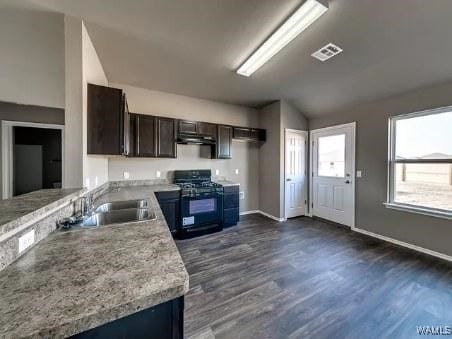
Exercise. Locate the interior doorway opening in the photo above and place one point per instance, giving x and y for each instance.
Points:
(32, 157)
(36, 159)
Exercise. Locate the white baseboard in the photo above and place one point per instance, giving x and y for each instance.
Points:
(371, 234)
(264, 214)
(272, 216)
(404, 244)
(249, 212)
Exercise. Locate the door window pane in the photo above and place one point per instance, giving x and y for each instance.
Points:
(427, 185)
(331, 157)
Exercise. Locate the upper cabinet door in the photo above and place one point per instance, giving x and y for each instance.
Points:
(242, 133)
(132, 134)
(125, 128)
(166, 137)
(105, 120)
(249, 134)
(188, 127)
(224, 141)
(145, 136)
(205, 128)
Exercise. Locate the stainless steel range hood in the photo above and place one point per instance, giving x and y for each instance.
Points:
(191, 139)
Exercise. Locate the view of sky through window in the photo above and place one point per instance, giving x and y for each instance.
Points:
(425, 136)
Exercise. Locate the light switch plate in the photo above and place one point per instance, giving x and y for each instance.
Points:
(242, 195)
(237, 171)
(158, 174)
(359, 174)
(126, 175)
(217, 172)
(26, 240)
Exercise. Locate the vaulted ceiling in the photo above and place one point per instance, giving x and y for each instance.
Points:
(193, 47)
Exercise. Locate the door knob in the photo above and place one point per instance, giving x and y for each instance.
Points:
(288, 179)
(347, 181)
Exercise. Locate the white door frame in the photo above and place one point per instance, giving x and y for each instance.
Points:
(305, 135)
(7, 152)
(311, 165)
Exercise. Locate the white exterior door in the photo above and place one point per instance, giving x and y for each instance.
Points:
(295, 173)
(333, 167)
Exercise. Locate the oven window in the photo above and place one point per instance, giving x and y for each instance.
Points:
(203, 206)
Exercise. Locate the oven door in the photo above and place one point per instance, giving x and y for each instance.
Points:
(205, 209)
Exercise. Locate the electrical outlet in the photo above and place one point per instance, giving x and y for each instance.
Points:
(87, 183)
(26, 240)
(158, 174)
(96, 181)
(126, 175)
(359, 174)
(242, 195)
(217, 172)
(237, 171)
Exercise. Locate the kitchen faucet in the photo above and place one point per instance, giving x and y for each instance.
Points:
(86, 204)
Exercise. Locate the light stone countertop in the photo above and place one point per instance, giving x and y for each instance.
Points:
(225, 183)
(27, 207)
(76, 280)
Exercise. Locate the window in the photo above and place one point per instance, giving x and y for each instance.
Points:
(331, 160)
(420, 162)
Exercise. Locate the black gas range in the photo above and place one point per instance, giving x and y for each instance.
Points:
(201, 203)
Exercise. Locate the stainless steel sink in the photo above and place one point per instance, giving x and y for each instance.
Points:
(120, 205)
(129, 215)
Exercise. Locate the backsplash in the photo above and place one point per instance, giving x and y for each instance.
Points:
(245, 158)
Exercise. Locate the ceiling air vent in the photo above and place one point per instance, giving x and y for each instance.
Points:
(327, 52)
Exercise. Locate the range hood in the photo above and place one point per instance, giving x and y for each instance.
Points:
(195, 139)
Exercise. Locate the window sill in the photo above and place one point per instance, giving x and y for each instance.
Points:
(419, 210)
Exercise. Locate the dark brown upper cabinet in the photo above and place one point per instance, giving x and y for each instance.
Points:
(152, 136)
(107, 121)
(224, 141)
(187, 127)
(132, 134)
(241, 133)
(208, 129)
(249, 134)
(166, 137)
(142, 135)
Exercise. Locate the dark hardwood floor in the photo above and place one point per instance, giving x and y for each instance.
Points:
(309, 279)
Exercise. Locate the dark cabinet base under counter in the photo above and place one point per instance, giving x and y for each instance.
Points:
(231, 205)
(163, 321)
(169, 202)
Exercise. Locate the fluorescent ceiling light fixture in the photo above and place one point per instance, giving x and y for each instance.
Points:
(303, 17)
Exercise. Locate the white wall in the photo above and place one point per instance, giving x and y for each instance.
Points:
(73, 151)
(82, 66)
(245, 156)
(275, 118)
(269, 160)
(32, 57)
(146, 101)
(95, 168)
